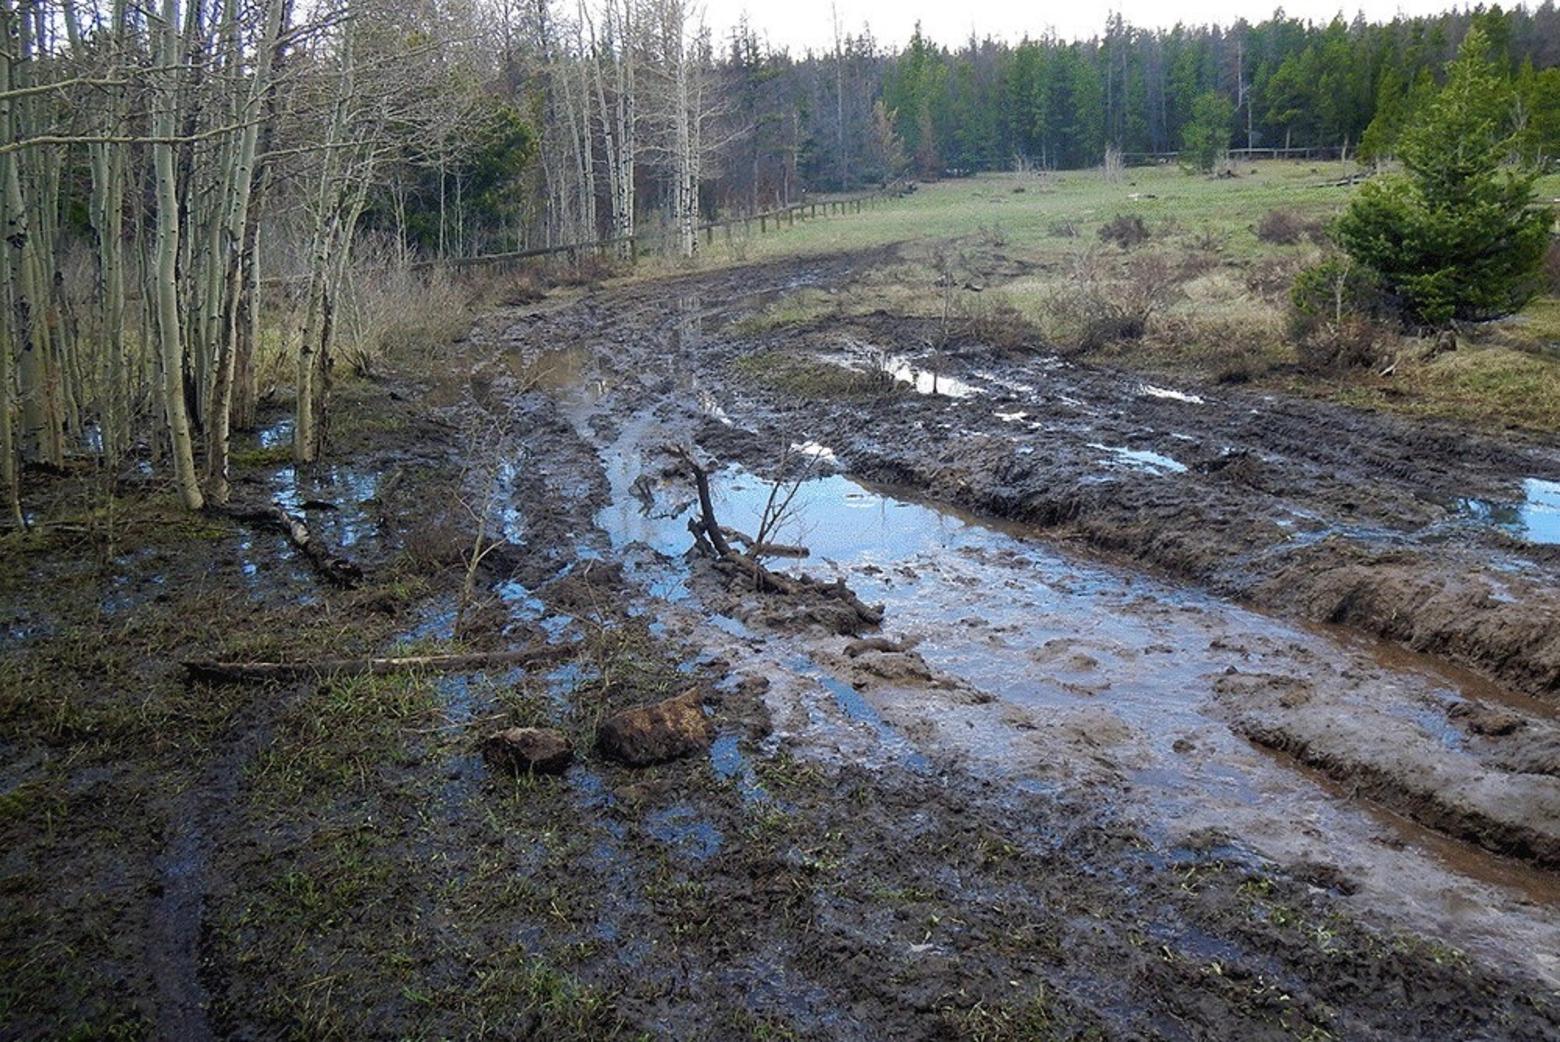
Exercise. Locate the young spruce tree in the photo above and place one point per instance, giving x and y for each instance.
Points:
(1456, 235)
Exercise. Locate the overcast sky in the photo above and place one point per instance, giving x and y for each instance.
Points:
(799, 24)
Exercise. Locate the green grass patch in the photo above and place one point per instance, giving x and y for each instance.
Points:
(1482, 386)
(804, 377)
(795, 309)
(261, 457)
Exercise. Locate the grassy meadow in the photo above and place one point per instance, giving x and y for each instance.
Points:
(1028, 267)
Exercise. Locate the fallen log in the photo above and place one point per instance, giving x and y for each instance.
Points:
(331, 565)
(218, 672)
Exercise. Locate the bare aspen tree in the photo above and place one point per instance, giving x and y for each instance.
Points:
(680, 111)
(228, 263)
(26, 273)
(618, 119)
(169, 339)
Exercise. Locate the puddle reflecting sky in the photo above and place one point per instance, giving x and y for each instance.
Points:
(1536, 517)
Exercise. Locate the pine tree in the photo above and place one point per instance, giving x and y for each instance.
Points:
(1207, 137)
(1456, 236)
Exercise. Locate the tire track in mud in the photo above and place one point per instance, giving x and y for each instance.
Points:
(618, 322)
(197, 821)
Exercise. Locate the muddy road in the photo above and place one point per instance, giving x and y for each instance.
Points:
(1331, 636)
(1192, 713)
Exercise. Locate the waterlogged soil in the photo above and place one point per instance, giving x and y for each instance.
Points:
(1115, 765)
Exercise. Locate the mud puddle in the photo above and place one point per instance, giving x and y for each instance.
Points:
(1087, 675)
(1535, 517)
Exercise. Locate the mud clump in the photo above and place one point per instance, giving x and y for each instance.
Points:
(658, 732)
(529, 750)
(1486, 720)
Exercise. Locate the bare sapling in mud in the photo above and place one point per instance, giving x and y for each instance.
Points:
(851, 614)
(489, 444)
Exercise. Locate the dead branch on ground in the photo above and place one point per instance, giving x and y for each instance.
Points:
(220, 672)
(331, 565)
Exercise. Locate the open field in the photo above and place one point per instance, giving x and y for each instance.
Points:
(1202, 704)
(1026, 238)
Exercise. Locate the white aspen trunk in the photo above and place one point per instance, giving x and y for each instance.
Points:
(307, 433)
(171, 347)
(686, 195)
(8, 466)
(231, 256)
(40, 434)
(627, 116)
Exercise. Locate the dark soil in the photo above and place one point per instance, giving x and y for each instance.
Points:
(333, 859)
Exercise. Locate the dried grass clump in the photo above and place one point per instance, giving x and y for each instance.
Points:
(1125, 230)
(1106, 302)
(1285, 228)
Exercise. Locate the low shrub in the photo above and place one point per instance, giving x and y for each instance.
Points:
(1106, 303)
(1125, 230)
(1353, 343)
(1285, 228)
(1337, 309)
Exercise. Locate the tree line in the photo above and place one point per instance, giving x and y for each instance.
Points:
(186, 182)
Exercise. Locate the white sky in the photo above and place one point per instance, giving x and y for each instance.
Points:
(799, 24)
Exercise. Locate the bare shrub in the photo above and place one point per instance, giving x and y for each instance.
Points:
(1352, 343)
(524, 287)
(1270, 279)
(389, 309)
(1285, 228)
(1235, 352)
(1106, 302)
(1209, 241)
(1125, 230)
(1335, 307)
(994, 320)
(586, 269)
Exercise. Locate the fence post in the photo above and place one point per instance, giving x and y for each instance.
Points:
(763, 224)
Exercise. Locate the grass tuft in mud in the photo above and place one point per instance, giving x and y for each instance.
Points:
(805, 377)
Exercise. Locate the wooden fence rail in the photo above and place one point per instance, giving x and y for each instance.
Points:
(640, 242)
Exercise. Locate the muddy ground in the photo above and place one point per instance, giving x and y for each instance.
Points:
(1200, 714)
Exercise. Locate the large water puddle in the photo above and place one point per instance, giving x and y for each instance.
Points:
(1102, 674)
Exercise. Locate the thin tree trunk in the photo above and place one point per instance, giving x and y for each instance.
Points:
(171, 346)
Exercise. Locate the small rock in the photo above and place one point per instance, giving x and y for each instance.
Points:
(535, 750)
(658, 732)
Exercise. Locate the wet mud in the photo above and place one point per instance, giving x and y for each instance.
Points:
(1106, 770)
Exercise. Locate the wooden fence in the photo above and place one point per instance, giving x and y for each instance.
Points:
(1242, 154)
(641, 243)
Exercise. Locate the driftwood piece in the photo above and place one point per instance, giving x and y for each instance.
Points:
(333, 566)
(217, 672)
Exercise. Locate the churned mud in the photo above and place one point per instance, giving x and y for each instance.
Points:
(1192, 713)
